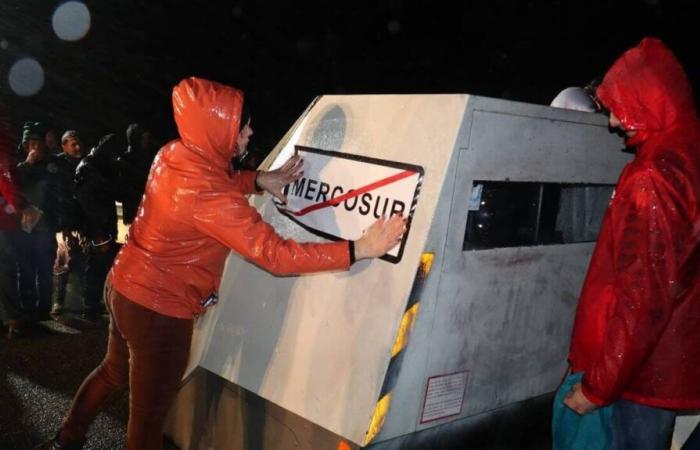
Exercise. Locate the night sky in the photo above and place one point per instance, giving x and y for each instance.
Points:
(285, 53)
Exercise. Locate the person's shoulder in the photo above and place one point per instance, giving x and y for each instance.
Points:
(53, 164)
(62, 157)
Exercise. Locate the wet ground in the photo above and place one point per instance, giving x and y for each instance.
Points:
(40, 370)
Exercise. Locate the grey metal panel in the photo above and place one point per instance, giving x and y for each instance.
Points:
(515, 305)
(504, 315)
(510, 330)
(525, 142)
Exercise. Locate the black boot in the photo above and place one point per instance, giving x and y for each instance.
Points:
(58, 294)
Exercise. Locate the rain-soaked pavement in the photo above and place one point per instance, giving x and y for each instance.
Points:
(40, 371)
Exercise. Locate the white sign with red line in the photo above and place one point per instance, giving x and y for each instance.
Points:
(340, 195)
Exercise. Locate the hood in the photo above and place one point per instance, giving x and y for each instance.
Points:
(133, 137)
(208, 116)
(647, 89)
(105, 153)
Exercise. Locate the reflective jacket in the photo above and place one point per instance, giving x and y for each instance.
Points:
(194, 210)
(637, 329)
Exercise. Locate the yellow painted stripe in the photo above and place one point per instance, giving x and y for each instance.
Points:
(426, 261)
(378, 417)
(409, 318)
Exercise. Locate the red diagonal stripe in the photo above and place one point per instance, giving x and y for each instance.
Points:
(334, 201)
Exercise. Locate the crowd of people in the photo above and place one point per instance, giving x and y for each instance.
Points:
(59, 217)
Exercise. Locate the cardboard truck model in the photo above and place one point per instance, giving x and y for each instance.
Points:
(460, 333)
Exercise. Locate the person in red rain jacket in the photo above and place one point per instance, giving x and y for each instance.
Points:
(194, 211)
(636, 336)
(11, 205)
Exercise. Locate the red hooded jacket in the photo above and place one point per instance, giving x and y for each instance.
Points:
(11, 200)
(194, 211)
(636, 337)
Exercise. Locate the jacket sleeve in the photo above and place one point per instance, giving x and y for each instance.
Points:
(90, 189)
(9, 191)
(26, 172)
(229, 218)
(244, 181)
(644, 226)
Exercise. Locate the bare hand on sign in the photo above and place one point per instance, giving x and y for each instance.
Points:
(274, 181)
(381, 237)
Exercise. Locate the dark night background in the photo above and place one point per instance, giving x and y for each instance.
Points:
(285, 53)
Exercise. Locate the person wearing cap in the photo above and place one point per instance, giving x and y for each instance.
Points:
(194, 212)
(70, 256)
(637, 329)
(37, 243)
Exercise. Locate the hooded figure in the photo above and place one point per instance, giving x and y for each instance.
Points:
(637, 330)
(194, 211)
(96, 189)
(133, 168)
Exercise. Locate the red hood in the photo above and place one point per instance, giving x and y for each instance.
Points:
(208, 116)
(647, 89)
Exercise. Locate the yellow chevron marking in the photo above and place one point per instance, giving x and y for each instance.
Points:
(426, 261)
(407, 322)
(378, 417)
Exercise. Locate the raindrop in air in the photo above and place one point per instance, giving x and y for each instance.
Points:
(71, 21)
(26, 77)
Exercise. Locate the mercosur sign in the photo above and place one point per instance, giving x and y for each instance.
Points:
(340, 195)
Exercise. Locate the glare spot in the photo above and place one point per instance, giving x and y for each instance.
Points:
(4, 44)
(26, 77)
(394, 26)
(71, 21)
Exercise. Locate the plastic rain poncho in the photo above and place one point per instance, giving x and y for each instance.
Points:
(637, 329)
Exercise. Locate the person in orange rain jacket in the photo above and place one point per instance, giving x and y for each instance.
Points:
(637, 330)
(194, 211)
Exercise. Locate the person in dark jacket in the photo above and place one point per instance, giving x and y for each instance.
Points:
(96, 190)
(133, 167)
(70, 257)
(37, 244)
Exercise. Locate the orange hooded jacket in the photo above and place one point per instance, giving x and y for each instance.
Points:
(637, 329)
(194, 210)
